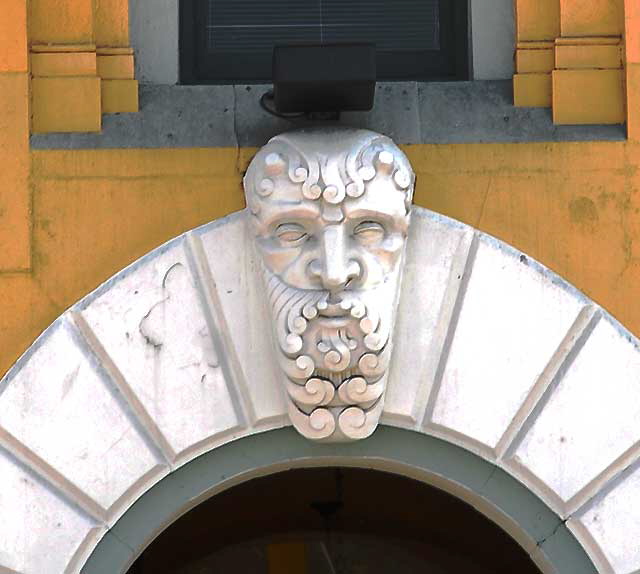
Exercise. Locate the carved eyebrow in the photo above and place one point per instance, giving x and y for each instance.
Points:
(375, 214)
(290, 212)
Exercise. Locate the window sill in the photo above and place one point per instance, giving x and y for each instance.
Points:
(409, 112)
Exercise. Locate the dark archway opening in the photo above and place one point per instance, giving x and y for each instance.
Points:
(333, 521)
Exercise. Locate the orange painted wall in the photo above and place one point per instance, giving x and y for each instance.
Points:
(70, 219)
(15, 200)
(575, 207)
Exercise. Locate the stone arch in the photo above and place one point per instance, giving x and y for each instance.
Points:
(170, 360)
(407, 453)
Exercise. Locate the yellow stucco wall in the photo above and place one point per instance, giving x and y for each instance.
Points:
(70, 219)
(575, 207)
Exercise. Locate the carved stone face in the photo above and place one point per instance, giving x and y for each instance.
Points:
(330, 215)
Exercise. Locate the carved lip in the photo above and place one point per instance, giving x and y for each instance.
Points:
(333, 310)
(333, 321)
(334, 315)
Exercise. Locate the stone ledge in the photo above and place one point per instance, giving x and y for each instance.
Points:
(408, 112)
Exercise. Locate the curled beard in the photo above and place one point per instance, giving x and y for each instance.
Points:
(335, 352)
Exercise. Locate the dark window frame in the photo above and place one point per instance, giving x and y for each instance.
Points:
(452, 64)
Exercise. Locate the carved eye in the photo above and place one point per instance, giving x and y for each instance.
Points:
(291, 233)
(369, 231)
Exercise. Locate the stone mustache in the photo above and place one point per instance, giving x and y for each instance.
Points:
(329, 211)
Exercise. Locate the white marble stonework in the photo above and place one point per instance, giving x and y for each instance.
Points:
(330, 210)
(172, 358)
(180, 381)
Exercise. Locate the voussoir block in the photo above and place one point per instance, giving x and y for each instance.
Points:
(588, 97)
(532, 90)
(67, 104)
(119, 96)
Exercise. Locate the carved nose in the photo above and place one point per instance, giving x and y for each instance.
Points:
(336, 268)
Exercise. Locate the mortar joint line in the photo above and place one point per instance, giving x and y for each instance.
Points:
(469, 257)
(219, 330)
(141, 417)
(541, 391)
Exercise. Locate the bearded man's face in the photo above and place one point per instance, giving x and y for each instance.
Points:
(331, 244)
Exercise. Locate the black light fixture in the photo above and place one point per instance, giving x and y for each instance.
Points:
(321, 80)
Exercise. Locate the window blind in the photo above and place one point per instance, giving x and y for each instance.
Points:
(231, 41)
(258, 25)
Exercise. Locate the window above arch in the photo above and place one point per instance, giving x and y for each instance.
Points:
(490, 27)
(231, 41)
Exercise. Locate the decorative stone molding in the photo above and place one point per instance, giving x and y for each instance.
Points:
(81, 64)
(330, 216)
(73, 85)
(571, 59)
(65, 89)
(171, 358)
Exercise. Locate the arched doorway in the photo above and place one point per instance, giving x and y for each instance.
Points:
(511, 516)
(333, 520)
